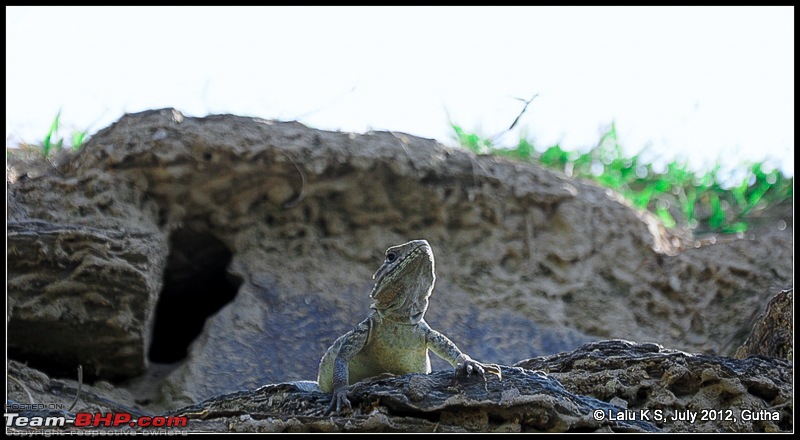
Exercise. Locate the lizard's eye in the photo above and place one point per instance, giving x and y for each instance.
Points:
(390, 257)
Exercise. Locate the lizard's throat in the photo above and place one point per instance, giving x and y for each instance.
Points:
(402, 294)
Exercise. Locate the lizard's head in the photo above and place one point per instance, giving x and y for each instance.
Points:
(404, 282)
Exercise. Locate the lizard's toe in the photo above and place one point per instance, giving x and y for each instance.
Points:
(339, 400)
(494, 369)
(473, 367)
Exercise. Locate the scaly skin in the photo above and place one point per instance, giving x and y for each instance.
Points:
(394, 338)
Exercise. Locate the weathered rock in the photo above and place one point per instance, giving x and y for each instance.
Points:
(654, 389)
(28, 387)
(649, 388)
(31, 393)
(522, 401)
(773, 333)
(78, 295)
(294, 222)
(723, 394)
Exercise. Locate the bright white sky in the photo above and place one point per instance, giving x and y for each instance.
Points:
(696, 83)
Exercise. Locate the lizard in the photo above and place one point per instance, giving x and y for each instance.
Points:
(394, 338)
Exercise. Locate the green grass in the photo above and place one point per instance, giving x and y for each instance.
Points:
(676, 195)
(52, 141)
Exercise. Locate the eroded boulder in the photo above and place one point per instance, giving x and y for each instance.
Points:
(693, 392)
(773, 332)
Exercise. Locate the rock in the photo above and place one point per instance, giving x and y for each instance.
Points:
(238, 249)
(772, 334)
(522, 401)
(725, 394)
(82, 295)
(28, 387)
(655, 390)
(606, 386)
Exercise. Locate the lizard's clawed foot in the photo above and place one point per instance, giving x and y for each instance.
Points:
(494, 369)
(471, 366)
(339, 400)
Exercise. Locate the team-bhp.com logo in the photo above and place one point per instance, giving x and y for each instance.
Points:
(89, 420)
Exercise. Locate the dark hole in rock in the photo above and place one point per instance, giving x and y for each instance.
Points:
(196, 286)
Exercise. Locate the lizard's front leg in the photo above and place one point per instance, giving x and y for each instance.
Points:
(340, 381)
(447, 350)
(352, 344)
